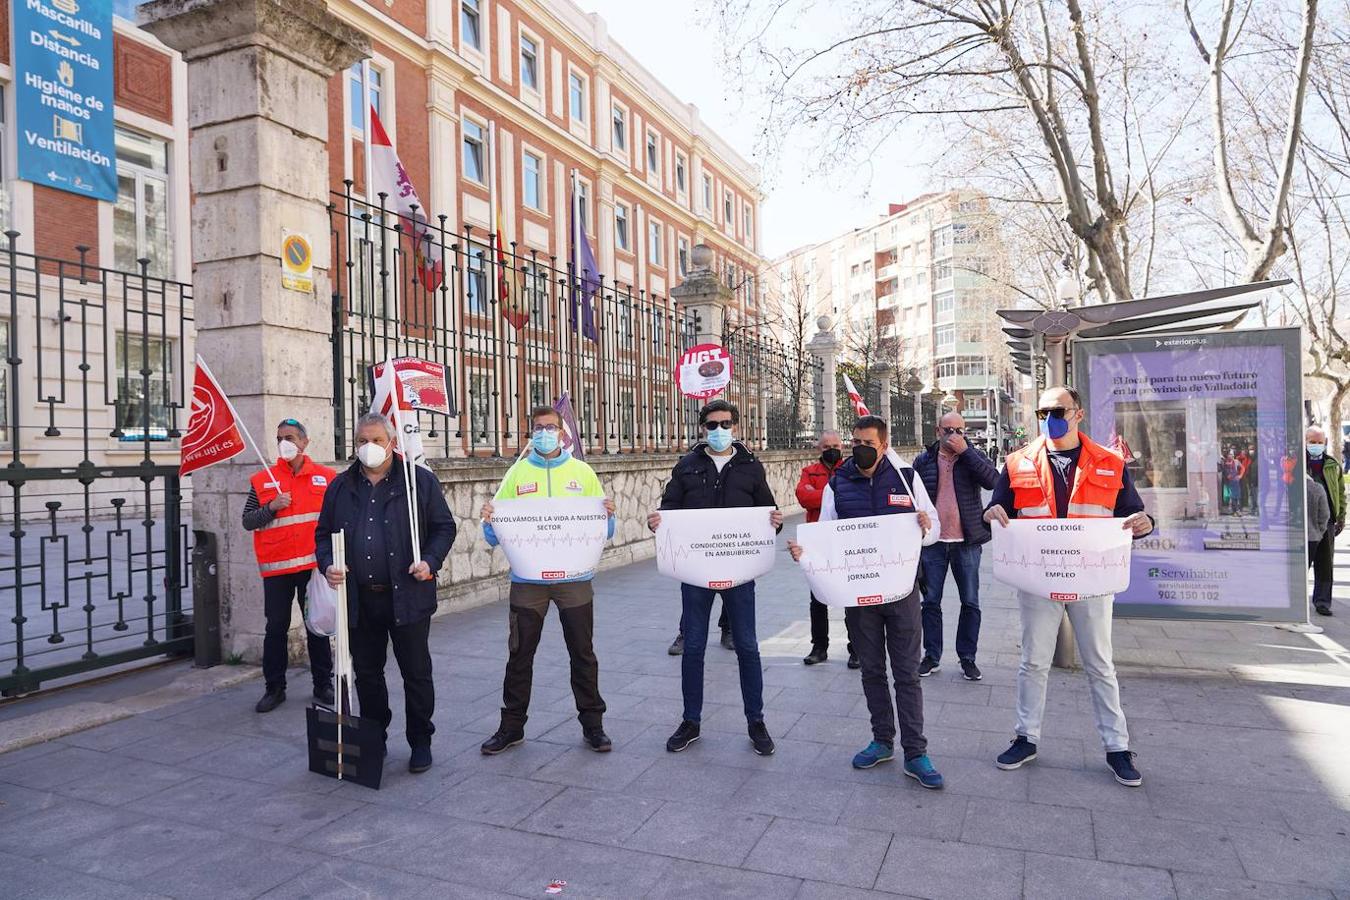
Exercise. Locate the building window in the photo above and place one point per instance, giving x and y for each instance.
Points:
(475, 282)
(532, 168)
(681, 179)
(529, 63)
(620, 129)
(576, 97)
(538, 394)
(653, 153)
(584, 198)
(654, 242)
(143, 402)
(944, 337)
(746, 217)
(357, 113)
(478, 406)
(727, 217)
(473, 152)
(627, 420)
(658, 329)
(141, 214)
(707, 194)
(470, 19)
(535, 277)
(621, 226)
(944, 304)
(683, 251)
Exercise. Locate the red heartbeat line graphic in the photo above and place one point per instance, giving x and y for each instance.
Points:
(1103, 561)
(858, 565)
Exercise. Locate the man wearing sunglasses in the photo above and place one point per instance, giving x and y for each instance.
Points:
(549, 470)
(954, 472)
(1064, 474)
(719, 472)
(282, 511)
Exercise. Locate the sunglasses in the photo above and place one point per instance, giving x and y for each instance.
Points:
(951, 431)
(721, 423)
(1056, 412)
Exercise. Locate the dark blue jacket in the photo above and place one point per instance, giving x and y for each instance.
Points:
(413, 600)
(854, 495)
(972, 471)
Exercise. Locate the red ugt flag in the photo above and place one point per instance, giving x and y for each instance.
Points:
(212, 433)
(858, 406)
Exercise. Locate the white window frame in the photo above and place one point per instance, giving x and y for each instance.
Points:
(682, 255)
(141, 176)
(167, 356)
(747, 221)
(655, 243)
(653, 152)
(681, 174)
(378, 84)
(584, 189)
(482, 150)
(618, 126)
(729, 208)
(541, 163)
(581, 79)
(707, 194)
(537, 45)
(622, 227)
(477, 14)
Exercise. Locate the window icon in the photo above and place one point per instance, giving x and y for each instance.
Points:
(66, 130)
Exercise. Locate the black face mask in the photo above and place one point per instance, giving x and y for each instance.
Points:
(864, 456)
(831, 456)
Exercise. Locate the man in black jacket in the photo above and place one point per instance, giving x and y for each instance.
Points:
(953, 472)
(719, 472)
(392, 593)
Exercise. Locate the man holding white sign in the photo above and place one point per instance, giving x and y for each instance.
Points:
(884, 620)
(719, 473)
(1064, 474)
(546, 472)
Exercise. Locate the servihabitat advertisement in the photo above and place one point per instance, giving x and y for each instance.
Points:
(1210, 426)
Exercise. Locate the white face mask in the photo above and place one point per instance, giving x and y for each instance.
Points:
(287, 450)
(371, 455)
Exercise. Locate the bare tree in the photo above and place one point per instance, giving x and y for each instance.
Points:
(789, 310)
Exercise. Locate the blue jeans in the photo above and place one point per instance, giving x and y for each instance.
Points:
(739, 604)
(964, 560)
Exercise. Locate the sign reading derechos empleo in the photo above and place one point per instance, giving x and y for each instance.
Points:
(716, 548)
(1063, 559)
(861, 562)
(552, 538)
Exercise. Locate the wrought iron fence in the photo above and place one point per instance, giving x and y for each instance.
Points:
(619, 375)
(96, 569)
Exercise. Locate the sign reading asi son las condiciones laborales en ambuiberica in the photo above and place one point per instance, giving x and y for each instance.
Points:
(64, 95)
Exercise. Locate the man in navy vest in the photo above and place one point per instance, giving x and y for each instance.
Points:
(875, 483)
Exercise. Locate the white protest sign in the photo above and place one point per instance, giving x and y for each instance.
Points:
(552, 538)
(1063, 559)
(715, 548)
(861, 562)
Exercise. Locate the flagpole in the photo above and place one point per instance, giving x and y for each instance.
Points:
(239, 420)
(409, 476)
(494, 245)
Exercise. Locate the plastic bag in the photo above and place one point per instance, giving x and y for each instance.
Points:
(321, 606)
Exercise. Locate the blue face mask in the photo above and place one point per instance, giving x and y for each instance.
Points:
(1316, 450)
(719, 439)
(544, 442)
(1054, 428)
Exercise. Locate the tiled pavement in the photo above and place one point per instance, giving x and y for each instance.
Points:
(1245, 753)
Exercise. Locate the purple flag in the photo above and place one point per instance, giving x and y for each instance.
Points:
(571, 436)
(585, 275)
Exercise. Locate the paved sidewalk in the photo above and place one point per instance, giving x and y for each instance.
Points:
(1245, 755)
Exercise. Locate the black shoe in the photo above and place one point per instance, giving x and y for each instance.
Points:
(685, 735)
(1323, 609)
(727, 642)
(271, 700)
(817, 655)
(1019, 754)
(928, 666)
(420, 760)
(324, 694)
(677, 646)
(759, 737)
(1122, 765)
(502, 740)
(597, 740)
(970, 671)
(853, 661)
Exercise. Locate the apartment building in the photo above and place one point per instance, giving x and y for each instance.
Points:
(912, 291)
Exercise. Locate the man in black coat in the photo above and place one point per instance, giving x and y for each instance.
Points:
(953, 472)
(719, 472)
(392, 594)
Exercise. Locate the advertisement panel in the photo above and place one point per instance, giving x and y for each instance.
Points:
(63, 57)
(1211, 429)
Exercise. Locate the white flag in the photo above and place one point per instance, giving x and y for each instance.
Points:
(854, 397)
(388, 177)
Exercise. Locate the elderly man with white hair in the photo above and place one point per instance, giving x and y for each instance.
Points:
(1326, 471)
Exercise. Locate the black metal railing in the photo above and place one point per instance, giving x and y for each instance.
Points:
(96, 569)
(619, 375)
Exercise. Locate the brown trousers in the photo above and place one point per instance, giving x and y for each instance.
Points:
(576, 612)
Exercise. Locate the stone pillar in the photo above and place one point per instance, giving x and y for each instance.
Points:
(704, 295)
(258, 121)
(886, 375)
(825, 347)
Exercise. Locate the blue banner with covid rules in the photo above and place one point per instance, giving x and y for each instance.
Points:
(63, 59)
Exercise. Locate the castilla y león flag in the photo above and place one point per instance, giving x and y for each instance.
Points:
(213, 434)
(388, 177)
